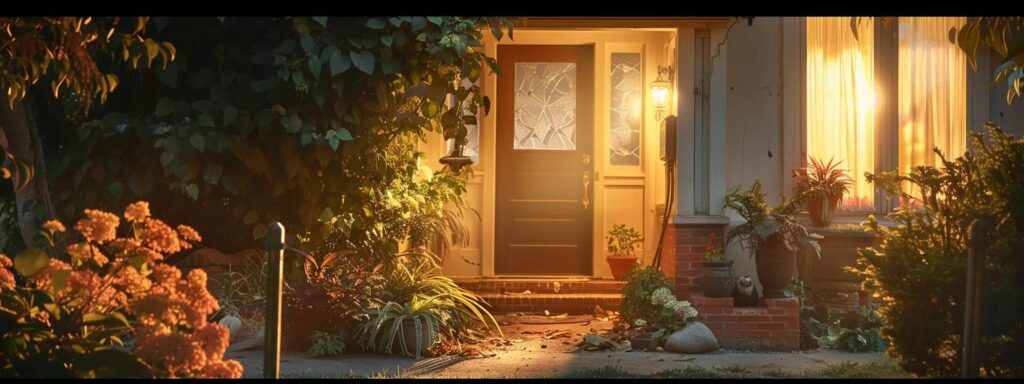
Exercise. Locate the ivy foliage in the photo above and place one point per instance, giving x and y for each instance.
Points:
(919, 271)
(309, 121)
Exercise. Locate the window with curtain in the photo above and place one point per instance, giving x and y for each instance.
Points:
(840, 102)
(932, 92)
(841, 99)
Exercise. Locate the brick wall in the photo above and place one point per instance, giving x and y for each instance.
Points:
(773, 326)
(689, 243)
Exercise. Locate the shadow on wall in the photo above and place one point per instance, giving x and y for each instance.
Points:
(743, 262)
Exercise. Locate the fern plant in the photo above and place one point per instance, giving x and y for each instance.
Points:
(326, 344)
(767, 224)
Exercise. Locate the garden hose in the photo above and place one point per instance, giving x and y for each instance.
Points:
(669, 181)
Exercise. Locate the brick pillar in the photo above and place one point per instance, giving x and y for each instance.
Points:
(689, 244)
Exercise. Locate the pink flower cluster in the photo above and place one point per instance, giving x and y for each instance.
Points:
(173, 335)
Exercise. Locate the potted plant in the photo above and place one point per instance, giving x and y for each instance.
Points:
(716, 279)
(406, 329)
(622, 244)
(822, 186)
(772, 234)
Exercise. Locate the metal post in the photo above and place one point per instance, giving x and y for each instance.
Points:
(977, 243)
(272, 340)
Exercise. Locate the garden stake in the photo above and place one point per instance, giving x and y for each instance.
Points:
(978, 242)
(272, 340)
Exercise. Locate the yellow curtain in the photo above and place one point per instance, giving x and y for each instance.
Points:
(841, 101)
(932, 92)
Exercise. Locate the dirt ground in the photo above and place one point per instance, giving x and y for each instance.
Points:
(539, 351)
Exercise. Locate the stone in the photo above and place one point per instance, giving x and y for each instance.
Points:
(233, 324)
(694, 338)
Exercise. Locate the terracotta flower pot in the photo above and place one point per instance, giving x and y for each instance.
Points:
(821, 209)
(620, 265)
(716, 278)
(775, 266)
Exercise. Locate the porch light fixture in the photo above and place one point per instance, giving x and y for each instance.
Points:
(661, 91)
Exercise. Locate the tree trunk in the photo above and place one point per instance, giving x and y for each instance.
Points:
(23, 141)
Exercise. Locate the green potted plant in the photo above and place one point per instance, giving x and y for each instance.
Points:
(716, 278)
(822, 186)
(622, 245)
(406, 329)
(772, 234)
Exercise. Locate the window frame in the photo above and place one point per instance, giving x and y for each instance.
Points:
(886, 71)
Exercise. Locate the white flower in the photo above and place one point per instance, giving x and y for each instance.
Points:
(640, 323)
(661, 296)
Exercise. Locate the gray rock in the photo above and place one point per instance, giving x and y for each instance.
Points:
(694, 338)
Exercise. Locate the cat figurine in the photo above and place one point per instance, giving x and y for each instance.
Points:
(745, 294)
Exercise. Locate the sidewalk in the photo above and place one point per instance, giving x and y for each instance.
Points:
(530, 355)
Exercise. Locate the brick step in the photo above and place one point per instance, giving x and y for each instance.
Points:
(542, 286)
(553, 302)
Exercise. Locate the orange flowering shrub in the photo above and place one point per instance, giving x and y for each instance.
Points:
(113, 288)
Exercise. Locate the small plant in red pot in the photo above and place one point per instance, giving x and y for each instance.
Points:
(822, 186)
(622, 244)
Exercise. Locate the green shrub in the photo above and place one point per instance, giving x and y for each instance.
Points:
(641, 282)
(918, 273)
(326, 344)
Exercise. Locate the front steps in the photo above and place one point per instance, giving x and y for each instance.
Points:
(553, 295)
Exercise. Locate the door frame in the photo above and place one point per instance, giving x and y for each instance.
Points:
(649, 178)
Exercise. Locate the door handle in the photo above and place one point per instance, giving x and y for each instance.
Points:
(586, 189)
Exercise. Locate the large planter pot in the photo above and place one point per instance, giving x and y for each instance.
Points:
(409, 333)
(775, 266)
(620, 265)
(716, 278)
(821, 209)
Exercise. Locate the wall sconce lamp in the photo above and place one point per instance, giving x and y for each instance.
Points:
(661, 92)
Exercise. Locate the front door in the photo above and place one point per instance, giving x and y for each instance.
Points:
(545, 165)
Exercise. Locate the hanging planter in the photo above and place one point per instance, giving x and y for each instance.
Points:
(456, 160)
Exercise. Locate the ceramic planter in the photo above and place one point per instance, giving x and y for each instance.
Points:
(409, 333)
(821, 209)
(775, 265)
(716, 278)
(620, 265)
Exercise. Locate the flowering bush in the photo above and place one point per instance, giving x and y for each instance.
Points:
(71, 319)
(641, 282)
(671, 314)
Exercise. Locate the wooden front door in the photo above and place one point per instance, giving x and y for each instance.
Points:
(545, 165)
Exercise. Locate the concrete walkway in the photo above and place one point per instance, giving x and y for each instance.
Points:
(544, 364)
(531, 355)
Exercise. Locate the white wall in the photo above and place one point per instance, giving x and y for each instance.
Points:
(754, 116)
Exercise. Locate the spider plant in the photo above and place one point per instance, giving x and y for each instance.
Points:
(416, 275)
(387, 325)
(765, 223)
(822, 186)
